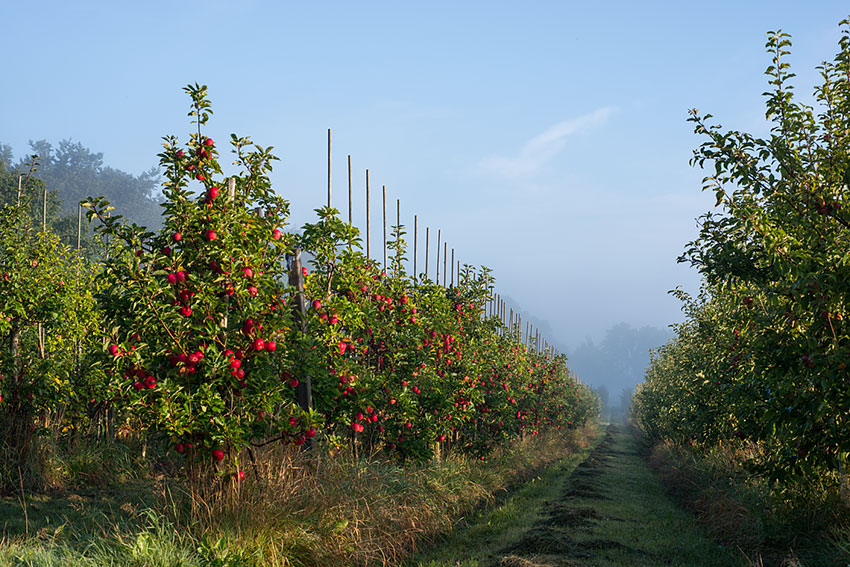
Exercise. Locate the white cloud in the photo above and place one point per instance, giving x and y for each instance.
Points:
(542, 148)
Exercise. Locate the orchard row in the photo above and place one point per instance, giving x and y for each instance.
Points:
(200, 334)
(763, 357)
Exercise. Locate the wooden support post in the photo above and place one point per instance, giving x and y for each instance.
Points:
(20, 180)
(368, 228)
(427, 251)
(415, 244)
(384, 187)
(398, 228)
(304, 392)
(453, 268)
(44, 212)
(445, 253)
(439, 237)
(349, 190)
(329, 167)
(79, 224)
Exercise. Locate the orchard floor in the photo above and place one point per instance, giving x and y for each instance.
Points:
(610, 510)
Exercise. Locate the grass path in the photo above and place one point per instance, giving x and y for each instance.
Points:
(609, 510)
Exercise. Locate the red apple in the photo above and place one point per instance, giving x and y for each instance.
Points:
(218, 454)
(211, 235)
(114, 350)
(209, 142)
(317, 304)
(239, 476)
(271, 346)
(310, 432)
(276, 234)
(177, 237)
(259, 344)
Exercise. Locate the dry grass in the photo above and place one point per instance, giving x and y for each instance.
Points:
(297, 508)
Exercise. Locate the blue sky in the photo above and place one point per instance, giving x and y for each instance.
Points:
(548, 140)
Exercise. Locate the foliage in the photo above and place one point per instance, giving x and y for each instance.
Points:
(199, 307)
(763, 356)
(48, 318)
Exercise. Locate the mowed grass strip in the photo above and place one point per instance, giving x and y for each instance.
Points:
(478, 538)
(610, 510)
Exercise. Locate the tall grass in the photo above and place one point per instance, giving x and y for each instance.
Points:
(295, 509)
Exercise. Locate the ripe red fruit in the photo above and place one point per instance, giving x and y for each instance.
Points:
(294, 382)
(209, 142)
(303, 271)
(252, 291)
(179, 448)
(333, 320)
(185, 310)
(200, 177)
(211, 235)
(218, 454)
(239, 476)
(247, 272)
(150, 382)
(172, 278)
(317, 304)
(213, 192)
(177, 237)
(342, 346)
(114, 350)
(271, 346)
(259, 344)
(181, 275)
(138, 386)
(310, 432)
(276, 234)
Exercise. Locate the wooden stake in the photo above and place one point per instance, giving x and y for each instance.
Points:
(415, 244)
(384, 187)
(439, 237)
(329, 167)
(44, 212)
(79, 223)
(445, 253)
(349, 189)
(20, 179)
(427, 251)
(368, 228)
(453, 268)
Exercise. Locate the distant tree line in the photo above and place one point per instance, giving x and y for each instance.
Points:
(71, 172)
(619, 362)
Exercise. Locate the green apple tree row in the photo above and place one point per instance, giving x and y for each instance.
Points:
(763, 355)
